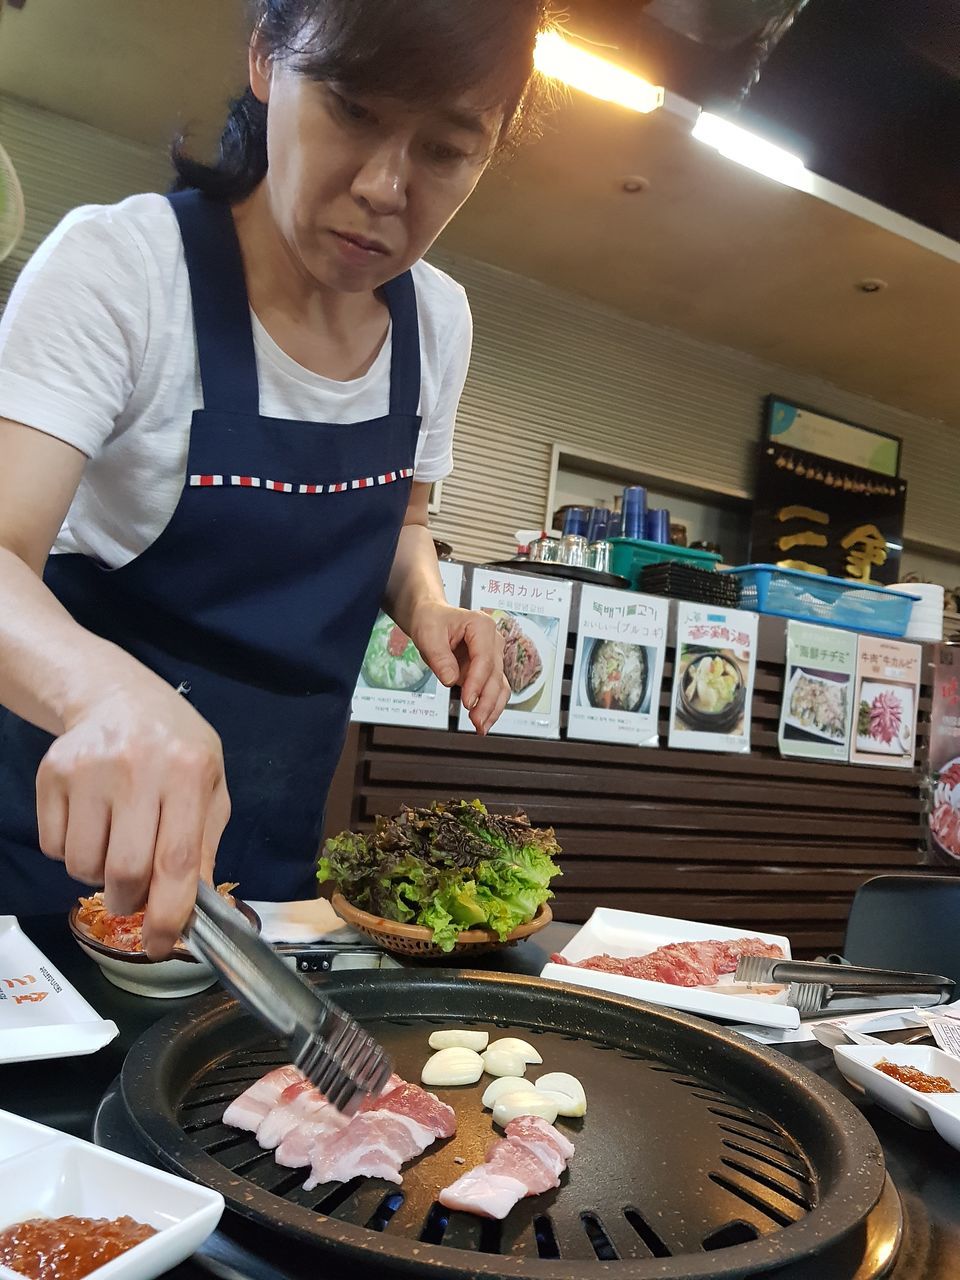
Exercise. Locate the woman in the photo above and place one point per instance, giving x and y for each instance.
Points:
(222, 411)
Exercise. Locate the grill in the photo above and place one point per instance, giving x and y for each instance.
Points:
(701, 1155)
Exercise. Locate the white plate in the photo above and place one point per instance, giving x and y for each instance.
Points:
(796, 723)
(57, 1175)
(628, 933)
(41, 1014)
(855, 1062)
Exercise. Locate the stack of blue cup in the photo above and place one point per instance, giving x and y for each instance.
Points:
(658, 525)
(599, 522)
(634, 512)
(575, 521)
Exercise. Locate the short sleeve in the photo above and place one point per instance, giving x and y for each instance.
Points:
(74, 331)
(436, 456)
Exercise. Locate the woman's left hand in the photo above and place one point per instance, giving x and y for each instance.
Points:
(463, 647)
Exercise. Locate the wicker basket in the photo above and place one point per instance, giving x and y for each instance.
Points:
(416, 941)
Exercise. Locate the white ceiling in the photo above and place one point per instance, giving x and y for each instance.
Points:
(708, 248)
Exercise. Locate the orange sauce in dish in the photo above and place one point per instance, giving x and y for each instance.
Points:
(68, 1248)
(914, 1078)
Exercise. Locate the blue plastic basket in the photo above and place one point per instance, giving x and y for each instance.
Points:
(811, 597)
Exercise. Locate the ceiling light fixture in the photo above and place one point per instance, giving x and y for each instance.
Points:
(748, 149)
(560, 59)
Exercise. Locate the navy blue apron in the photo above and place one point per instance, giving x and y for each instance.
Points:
(259, 596)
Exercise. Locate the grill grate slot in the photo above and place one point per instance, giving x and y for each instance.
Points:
(603, 1246)
(753, 1199)
(765, 1159)
(491, 1231)
(738, 1232)
(657, 1247)
(223, 1095)
(772, 1184)
(744, 1119)
(334, 1195)
(436, 1224)
(240, 1154)
(208, 1121)
(763, 1142)
(384, 1211)
(546, 1238)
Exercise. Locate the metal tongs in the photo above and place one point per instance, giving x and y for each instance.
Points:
(815, 987)
(334, 1053)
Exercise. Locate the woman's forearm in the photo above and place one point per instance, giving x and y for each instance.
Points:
(50, 667)
(415, 576)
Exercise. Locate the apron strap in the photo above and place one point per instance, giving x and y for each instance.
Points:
(221, 314)
(221, 309)
(401, 298)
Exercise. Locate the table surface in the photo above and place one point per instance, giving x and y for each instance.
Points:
(65, 1095)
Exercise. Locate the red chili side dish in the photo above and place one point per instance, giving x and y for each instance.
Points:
(68, 1248)
(914, 1078)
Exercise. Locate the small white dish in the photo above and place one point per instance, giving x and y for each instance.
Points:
(163, 979)
(58, 1176)
(945, 1114)
(180, 975)
(18, 1135)
(857, 1064)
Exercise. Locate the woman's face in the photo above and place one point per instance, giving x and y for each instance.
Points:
(359, 186)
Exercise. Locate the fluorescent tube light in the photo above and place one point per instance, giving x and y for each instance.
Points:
(560, 59)
(747, 149)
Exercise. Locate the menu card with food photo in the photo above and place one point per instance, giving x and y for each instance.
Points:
(713, 676)
(945, 756)
(885, 705)
(532, 615)
(618, 667)
(395, 685)
(817, 710)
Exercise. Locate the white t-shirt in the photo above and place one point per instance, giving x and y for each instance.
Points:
(97, 348)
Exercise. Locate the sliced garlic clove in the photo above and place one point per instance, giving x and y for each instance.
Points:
(460, 1038)
(498, 1062)
(562, 1082)
(452, 1066)
(510, 1044)
(505, 1084)
(527, 1102)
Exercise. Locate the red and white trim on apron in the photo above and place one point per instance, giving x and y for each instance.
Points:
(282, 486)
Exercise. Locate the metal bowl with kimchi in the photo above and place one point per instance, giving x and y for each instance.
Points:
(115, 943)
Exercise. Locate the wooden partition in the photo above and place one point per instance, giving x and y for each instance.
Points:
(753, 841)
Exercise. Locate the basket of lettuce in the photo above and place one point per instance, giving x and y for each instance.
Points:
(451, 877)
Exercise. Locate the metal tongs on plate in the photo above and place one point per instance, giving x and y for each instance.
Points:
(334, 1053)
(816, 987)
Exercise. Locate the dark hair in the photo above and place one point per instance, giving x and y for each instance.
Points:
(422, 51)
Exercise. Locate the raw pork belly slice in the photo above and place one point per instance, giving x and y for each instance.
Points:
(527, 1161)
(297, 1102)
(301, 1102)
(681, 964)
(321, 1121)
(486, 1194)
(251, 1108)
(374, 1145)
(417, 1104)
(376, 1142)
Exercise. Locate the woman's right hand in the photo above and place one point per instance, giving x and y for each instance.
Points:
(132, 796)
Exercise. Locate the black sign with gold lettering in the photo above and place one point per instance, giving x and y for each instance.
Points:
(826, 517)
